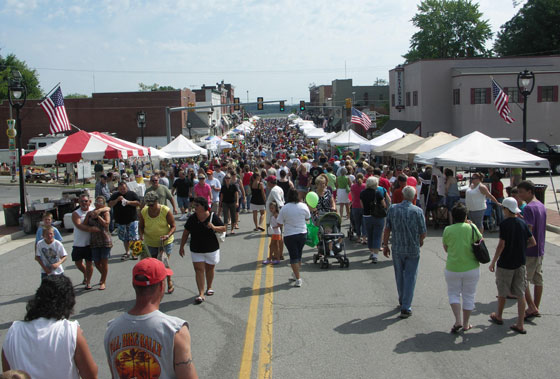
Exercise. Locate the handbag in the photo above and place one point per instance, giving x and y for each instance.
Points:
(312, 239)
(221, 237)
(479, 249)
(377, 209)
(162, 255)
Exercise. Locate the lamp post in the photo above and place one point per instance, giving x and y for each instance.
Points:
(213, 127)
(141, 120)
(189, 127)
(17, 94)
(525, 84)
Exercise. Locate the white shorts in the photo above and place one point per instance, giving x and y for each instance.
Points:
(212, 258)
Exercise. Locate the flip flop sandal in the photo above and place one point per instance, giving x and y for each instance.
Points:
(199, 300)
(171, 289)
(84, 281)
(102, 287)
(455, 329)
(125, 257)
(516, 329)
(495, 320)
(210, 292)
(88, 287)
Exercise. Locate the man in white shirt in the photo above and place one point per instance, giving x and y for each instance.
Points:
(219, 174)
(216, 187)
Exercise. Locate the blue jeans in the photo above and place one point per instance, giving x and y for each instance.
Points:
(406, 270)
(356, 217)
(374, 230)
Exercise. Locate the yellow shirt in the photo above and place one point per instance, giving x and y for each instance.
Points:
(154, 227)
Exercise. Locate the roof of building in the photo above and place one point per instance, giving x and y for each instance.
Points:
(458, 71)
(405, 126)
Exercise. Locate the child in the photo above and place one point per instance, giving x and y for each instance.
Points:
(511, 273)
(50, 254)
(47, 221)
(275, 247)
(520, 203)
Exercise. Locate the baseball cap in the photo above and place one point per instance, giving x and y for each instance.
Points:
(271, 178)
(124, 176)
(511, 204)
(201, 177)
(209, 172)
(152, 269)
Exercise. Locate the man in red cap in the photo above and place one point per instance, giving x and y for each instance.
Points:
(164, 341)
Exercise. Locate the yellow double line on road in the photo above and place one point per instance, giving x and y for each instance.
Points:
(265, 352)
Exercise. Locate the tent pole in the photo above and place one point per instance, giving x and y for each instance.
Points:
(554, 190)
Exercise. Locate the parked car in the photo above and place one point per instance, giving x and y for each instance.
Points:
(540, 149)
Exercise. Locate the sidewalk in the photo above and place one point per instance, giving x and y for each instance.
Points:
(8, 233)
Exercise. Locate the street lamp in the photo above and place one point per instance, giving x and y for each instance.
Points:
(17, 94)
(141, 120)
(213, 127)
(525, 84)
(189, 127)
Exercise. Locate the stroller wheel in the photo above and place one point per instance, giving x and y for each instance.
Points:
(315, 258)
(324, 264)
(346, 262)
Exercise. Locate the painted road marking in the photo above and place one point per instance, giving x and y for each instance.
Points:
(265, 355)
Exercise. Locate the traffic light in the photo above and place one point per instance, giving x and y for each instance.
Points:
(260, 103)
(348, 102)
(302, 105)
(236, 106)
(281, 106)
(190, 104)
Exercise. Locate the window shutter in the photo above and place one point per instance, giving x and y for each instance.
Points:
(555, 94)
(488, 96)
(539, 94)
(472, 95)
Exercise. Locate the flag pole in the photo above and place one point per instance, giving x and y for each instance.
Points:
(74, 126)
(48, 93)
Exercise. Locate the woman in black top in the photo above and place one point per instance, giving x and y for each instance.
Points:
(371, 197)
(258, 200)
(229, 201)
(205, 248)
(284, 183)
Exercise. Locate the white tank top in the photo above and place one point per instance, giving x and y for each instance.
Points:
(81, 238)
(475, 200)
(44, 348)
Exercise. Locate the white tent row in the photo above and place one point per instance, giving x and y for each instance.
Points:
(347, 138)
(216, 143)
(390, 136)
(324, 141)
(182, 147)
(407, 153)
(314, 132)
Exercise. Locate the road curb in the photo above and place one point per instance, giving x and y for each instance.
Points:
(13, 236)
(553, 228)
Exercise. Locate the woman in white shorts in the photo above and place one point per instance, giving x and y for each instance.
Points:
(205, 248)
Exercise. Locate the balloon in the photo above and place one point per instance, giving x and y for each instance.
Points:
(312, 199)
(411, 181)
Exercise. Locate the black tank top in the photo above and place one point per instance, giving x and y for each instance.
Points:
(285, 187)
(257, 197)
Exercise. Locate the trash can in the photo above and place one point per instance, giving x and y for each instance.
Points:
(540, 190)
(11, 214)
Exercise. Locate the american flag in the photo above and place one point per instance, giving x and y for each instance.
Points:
(53, 106)
(360, 118)
(501, 102)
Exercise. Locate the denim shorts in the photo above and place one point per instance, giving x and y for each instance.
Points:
(128, 232)
(99, 253)
(182, 202)
(295, 244)
(155, 250)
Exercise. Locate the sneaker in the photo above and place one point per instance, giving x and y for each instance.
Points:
(405, 314)
(183, 217)
(266, 261)
(298, 282)
(275, 262)
(331, 253)
(374, 259)
(293, 277)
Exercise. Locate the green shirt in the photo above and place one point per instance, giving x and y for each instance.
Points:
(343, 182)
(458, 239)
(163, 194)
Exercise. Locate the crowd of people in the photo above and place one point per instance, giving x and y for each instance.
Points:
(271, 175)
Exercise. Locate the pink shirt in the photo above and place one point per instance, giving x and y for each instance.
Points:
(204, 191)
(355, 190)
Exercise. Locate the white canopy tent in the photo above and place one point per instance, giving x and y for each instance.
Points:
(479, 150)
(391, 147)
(182, 147)
(216, 143)
(325, 139)
(348, 138)
(390, 136)
(314, 133)
(408, 153)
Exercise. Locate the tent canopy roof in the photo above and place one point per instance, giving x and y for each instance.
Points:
(347, 138)
(391, 147)
(382, 139)
(410, 151)
(182, 147)
(479, 150)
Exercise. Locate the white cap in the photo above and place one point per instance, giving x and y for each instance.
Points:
(511, 204)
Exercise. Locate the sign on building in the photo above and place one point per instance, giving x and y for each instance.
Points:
(399, 72)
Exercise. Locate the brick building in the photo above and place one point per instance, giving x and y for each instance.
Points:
(108, 112)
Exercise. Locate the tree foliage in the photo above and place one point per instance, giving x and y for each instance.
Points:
(76, 96)
(448, 29)
(30, 77)
(534, 30)
(154, 87)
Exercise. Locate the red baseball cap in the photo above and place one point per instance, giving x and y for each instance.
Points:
(209, 172)
(153, 269)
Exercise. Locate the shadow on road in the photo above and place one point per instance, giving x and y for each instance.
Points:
(248, 291)
(438, 341)
(369, 325)
(116, 306)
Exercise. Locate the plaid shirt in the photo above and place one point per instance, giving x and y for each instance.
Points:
(407, 223)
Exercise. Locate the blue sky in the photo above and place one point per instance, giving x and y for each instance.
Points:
(273, 49)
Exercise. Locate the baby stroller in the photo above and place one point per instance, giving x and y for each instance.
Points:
(331, 243)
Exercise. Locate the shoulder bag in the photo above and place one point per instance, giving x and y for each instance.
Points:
(221, 237)
(479, 249)
(377, 209)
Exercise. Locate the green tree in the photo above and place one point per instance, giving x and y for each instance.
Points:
(30, 77)
(76, 96)
(534, 30)
(448, 29)
(154, 87)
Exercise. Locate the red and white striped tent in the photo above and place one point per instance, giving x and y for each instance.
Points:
(86, 146)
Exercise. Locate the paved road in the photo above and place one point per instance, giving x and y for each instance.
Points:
(340, 324)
